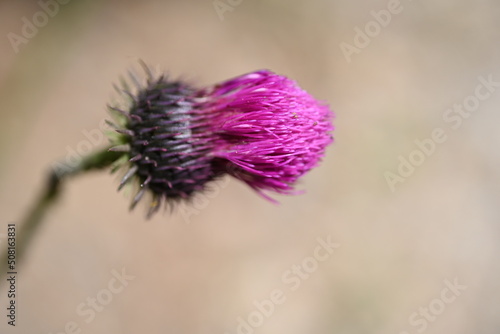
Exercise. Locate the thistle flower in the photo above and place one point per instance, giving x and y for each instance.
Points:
(260, 128)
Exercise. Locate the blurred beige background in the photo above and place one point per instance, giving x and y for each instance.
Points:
(398, 249)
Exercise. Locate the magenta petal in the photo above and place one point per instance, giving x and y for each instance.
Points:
(270, 130)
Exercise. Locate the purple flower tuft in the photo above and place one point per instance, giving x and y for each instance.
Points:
(261, 128)
(270, 129)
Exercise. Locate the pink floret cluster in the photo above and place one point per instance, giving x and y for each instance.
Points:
(267, 131)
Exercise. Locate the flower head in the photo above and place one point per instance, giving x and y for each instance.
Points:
(261, 128)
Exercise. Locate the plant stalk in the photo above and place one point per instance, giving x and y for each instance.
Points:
(47, 198)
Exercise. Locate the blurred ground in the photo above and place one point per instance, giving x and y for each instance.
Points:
(400, 251)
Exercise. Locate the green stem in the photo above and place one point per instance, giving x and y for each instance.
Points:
(48, 197)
